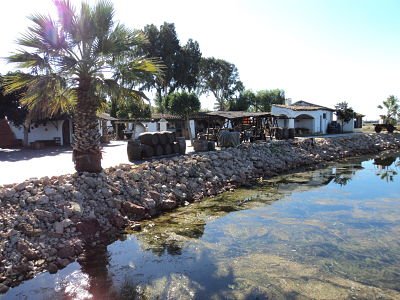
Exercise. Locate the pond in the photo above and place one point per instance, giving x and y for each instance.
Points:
(331, 233)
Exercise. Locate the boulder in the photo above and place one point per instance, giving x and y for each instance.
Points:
(133, 210)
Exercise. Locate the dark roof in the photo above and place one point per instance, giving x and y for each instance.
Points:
(237, 114)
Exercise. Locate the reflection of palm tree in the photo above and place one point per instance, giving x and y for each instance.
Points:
(342, 176)
(385, 170)
(342, 179)
(95, 265)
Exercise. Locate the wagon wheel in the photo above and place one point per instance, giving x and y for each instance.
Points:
(378, 129)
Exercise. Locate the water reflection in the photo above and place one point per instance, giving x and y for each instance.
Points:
(387, 168)
(333, 234)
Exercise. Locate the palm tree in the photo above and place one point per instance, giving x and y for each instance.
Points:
(73, 62)
(392, 106)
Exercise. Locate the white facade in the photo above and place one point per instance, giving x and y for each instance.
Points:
(347, 126)
(315, 121)
(48, 131)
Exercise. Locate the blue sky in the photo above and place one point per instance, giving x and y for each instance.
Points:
(322, 51)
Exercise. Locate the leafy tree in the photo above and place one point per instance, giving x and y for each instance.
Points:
(183, 105)
(188, 66)
(264, 99)
(181, 62)
(221, 78)
(243, 101)
(131, 108)
(68, 61)
(344, 113)
(10, 106)
(392, 106)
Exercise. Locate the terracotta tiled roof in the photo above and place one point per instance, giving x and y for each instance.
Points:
(303, 105)
(237, 114)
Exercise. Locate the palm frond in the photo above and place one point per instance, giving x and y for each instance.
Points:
(45, 29)
(66, 16)
(44, 95)
(102, 15)
(29, 60)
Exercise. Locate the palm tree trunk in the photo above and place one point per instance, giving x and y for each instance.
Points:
(86, 147)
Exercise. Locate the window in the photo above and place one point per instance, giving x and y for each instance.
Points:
(324, 115)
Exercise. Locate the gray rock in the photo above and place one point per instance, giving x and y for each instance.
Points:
(43, 199)
(78, 196)
(59, 227)
(52, 268)
(168, 204)
(74, 208)
(3, 288)
(21, 186)
(49, 191)
(43, 214)
(9, 192)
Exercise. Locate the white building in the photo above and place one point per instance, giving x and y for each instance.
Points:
(56, 132)
(304, 117)
(52, 132)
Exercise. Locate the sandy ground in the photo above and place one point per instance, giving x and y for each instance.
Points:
(16, 165)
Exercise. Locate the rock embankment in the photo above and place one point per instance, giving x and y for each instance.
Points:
(46, 223)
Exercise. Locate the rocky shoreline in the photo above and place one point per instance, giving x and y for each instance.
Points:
(46, 223)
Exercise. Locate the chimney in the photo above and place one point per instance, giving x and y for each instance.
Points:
(288, 101)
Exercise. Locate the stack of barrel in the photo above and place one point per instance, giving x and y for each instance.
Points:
(151, 144)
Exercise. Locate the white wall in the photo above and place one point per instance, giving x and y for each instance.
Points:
(347, 126)
(319, 125)
(139, 128)
(151, 126)
(46, 132)
(305, 123)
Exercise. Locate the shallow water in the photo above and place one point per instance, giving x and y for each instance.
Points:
(326, 234)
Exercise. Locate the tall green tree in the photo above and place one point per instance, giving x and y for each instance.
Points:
(71, 61)
(181, 62)
(344, 113)
(220, 78)
(184, 105)
(392, 106)
(264, 99)
(243, 102)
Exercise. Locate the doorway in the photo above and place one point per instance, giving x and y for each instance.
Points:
(66, 133)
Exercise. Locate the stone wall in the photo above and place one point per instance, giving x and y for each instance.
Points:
(45, 223)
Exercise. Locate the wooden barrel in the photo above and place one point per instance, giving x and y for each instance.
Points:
(200, 145)
(134, 150)
(167, 149)
(149, 138)
(147, 151)
(211, 146)
(182, 145)
(278, 133)
(163, 137)
(175, 147)
(158, 150)
(291, 133)
(171, 137)
(285, 133)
